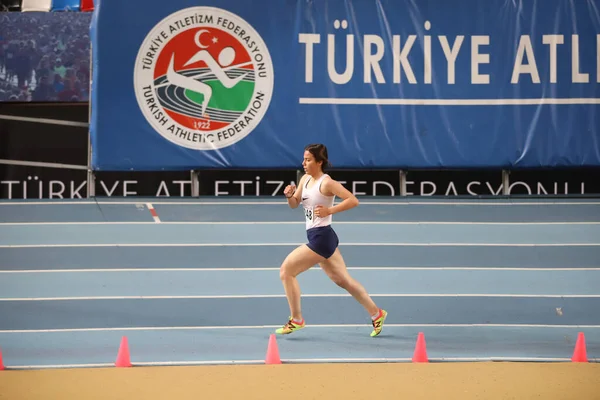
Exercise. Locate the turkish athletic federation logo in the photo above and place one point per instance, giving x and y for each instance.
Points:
(203, 78)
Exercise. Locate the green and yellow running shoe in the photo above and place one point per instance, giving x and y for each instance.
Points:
(290, 327)
(378, 323)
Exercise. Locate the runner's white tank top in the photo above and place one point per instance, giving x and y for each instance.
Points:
(312, 197)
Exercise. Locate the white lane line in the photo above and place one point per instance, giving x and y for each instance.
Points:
(94, 270)
(156, 219)
(297, 361)
(437, 244)
(321, 295)
(319, 326)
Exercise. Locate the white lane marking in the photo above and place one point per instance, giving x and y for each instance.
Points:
(297, 361)
(94, 270)
(156, 219)
(318, 326)
(149, 205)
(442, 244)
(322, 295)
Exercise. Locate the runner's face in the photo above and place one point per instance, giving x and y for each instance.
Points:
(311, 166)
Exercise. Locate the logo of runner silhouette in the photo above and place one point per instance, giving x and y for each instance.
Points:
(203, 78)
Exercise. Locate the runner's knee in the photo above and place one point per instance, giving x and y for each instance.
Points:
(285, 271)
(341, 280)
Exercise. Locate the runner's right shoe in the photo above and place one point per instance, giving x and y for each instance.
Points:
(290, 327)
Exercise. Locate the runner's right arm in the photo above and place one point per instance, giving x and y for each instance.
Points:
(294, 196)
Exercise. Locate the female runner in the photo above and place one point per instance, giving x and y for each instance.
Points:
(316, 192)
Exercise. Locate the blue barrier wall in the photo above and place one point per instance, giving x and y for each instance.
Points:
(403, 84)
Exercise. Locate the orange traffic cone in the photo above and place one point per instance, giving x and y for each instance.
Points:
(272, 351)
(123, 358)
(1, 363)
(420, 354)
(580, 353)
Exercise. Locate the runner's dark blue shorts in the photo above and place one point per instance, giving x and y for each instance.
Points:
(322, 240)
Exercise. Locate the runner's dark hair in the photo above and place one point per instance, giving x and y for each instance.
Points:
(319, 152)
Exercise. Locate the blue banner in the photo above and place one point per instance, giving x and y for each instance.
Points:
(384, 84)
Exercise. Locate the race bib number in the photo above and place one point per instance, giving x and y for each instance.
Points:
(308, 213)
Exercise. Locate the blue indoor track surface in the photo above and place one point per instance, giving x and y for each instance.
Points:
(196, 281)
